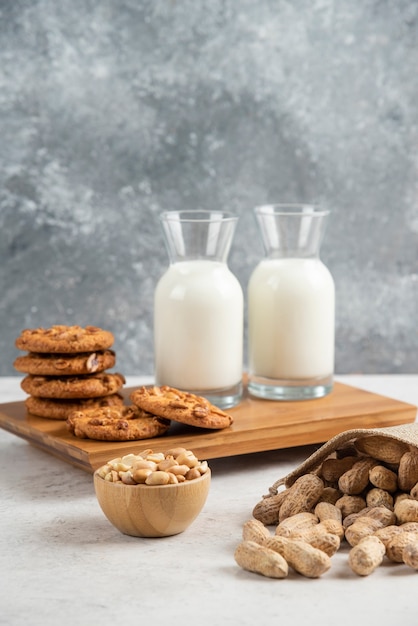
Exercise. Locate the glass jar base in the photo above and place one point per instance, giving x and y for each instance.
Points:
(288, 390)
(224, 398)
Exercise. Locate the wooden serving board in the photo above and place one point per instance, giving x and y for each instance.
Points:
(259, 425)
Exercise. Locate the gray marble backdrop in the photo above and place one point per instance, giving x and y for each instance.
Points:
(114, 110)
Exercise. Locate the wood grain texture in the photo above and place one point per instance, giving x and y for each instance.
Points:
(152, 511)
(259, 425)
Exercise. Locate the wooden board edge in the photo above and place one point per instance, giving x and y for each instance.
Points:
(240, 442)
(243, 445)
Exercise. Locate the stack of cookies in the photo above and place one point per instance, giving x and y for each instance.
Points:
(67, 379)
(66, 369)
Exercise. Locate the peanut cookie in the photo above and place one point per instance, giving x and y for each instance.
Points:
(89, 386)
(61, 409)
(57, 364)
(128, 423)
(180, 406)
(67, 339)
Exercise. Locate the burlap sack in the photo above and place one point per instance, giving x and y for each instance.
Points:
(408, 433)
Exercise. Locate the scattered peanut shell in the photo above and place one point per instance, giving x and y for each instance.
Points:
(302, 557)
(366, 556)
(254, 530)
(406, 510)
(410, 554)
(394, 548)
(259, 559)
(267, 510)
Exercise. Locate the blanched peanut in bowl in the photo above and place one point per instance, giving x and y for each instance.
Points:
(143, 502)
(176, 462)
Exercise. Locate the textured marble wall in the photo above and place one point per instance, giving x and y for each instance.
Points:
(113, 111)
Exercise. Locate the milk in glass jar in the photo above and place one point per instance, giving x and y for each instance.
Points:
(291, 307)
(198, 308)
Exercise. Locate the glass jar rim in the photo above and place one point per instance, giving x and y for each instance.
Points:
(199, 215)
(295, 209)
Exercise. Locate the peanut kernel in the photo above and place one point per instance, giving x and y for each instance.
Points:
(154, 468)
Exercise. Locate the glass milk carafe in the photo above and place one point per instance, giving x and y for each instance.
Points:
(198, 309)
(291, 307)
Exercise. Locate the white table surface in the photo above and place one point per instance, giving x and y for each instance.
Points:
(62, 562)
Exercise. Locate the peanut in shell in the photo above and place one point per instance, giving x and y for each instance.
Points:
(303, 495)
(382, 448)
(259, 559)
(366, 556)
(267, 510)
(408, 470)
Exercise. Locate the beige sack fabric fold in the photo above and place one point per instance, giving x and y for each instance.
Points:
(407, 433)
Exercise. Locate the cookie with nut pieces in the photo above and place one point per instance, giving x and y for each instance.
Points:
(64, 339)
(89, 386)
(116, 423)
(56, 364)
(60, 409)
(180, 406)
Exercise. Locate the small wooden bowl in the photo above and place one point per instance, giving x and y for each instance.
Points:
(152, 511)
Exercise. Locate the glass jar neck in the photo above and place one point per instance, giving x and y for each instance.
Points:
(291, 231)
(198, 235)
